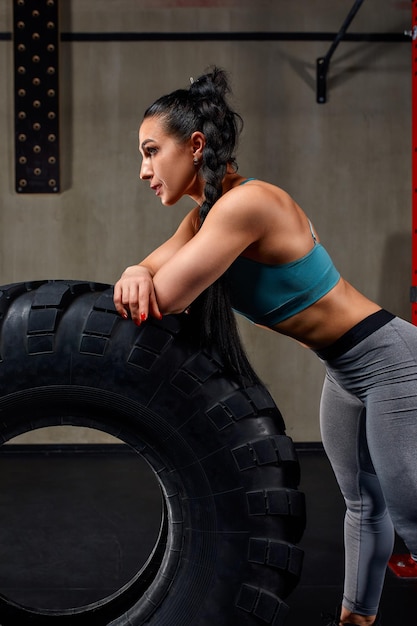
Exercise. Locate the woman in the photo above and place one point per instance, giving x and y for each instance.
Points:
(248, 240)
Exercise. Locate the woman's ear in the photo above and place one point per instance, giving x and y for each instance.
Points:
(198, 141)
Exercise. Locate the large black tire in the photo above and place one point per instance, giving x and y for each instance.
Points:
(228, 473)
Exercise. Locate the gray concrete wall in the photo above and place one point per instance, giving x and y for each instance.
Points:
(347, 162)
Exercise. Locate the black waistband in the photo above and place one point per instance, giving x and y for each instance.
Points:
(355, 335)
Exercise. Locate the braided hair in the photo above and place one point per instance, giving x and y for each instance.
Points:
(203, 107)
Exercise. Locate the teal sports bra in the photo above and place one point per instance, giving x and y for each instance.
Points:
(269, 294)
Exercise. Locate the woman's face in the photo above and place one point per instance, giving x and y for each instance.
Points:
(167, 164)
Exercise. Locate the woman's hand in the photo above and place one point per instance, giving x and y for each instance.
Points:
(134, 294)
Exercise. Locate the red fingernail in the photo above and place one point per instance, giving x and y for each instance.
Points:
(143, 316)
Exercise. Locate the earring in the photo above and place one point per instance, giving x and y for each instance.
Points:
(196, 161)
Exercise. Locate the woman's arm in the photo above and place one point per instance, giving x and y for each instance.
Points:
(134, 292)
(232, 225)
(172, 276)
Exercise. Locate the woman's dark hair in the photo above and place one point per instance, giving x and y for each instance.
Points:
(203, 107)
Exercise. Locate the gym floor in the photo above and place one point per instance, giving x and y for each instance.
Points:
(54, 554)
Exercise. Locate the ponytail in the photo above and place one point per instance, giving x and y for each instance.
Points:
(203, 107)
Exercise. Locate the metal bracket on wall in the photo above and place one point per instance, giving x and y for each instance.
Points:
(36, 39)
(411, 33)
(323, 63)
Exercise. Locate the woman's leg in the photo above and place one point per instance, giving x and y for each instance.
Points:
(369, 534)
(392, 427)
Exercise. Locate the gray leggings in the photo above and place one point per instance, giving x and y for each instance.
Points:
(368, 418)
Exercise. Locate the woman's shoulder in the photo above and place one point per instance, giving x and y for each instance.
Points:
(255, 206)
(253, 194)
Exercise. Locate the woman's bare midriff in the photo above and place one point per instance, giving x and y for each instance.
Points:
(322, 323)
